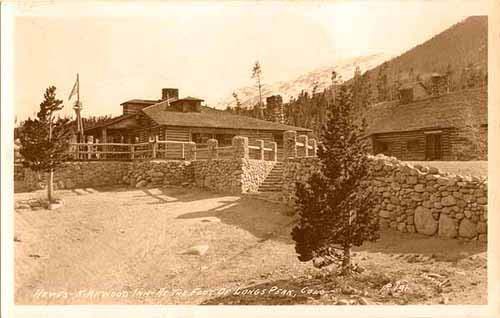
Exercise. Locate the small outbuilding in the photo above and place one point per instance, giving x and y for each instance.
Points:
(452, 126)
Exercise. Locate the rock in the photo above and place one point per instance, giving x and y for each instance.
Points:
(419, 188)
(342, 302)
(348, 290)
(363, 301)
(448, 200)
(410, 228)
(196, 250)
(482, 200)
(411, 180)
(157, 174)
(409, 219)
(395, 186)
(481, 227)
(55, 205)
(447, 227)
(459, 216)
(468, 214)
(384, 214)
(433, 170)
(443, 300)
(141, 184)
(467, 229)
(23, 206)
(402, 227)
(424, 222)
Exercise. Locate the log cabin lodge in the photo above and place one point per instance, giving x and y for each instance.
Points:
(422, 126)
(185, 119)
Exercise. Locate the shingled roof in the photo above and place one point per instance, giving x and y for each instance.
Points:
(141, 101)
(212, 118)
(455, 109)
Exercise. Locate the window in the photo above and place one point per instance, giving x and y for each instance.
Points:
(278, 138)
(200, 138)
(433, 146)
(412, 146)
(224, 139)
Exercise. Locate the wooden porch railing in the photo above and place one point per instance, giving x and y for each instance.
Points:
(155, 149)
(294, 146)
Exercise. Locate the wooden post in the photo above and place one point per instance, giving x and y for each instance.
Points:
(212, 145)
(73, 148)
(314, 144)
(193, 151)
(260, 144)
(274, 151)
(90, 142)
(104, 139)
(153, 144)
(183, 156)
(132, 147)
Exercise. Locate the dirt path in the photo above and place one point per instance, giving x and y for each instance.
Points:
(124, 246)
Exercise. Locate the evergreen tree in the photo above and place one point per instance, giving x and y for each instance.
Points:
(382, 84)
(257, 74)
(44, 140)
(449, 78)
(336, 206)
(237, 108)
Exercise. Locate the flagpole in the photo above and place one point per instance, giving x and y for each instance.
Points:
(78, 109)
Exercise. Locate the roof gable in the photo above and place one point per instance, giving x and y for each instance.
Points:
(211, 118)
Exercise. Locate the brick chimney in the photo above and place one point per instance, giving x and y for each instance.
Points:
(169, 93)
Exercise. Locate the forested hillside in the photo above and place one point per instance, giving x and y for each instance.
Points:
(459, 55)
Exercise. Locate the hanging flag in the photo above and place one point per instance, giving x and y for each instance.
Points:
(75, 88)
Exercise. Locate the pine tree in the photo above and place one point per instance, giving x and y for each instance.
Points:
(237, 108)
(335, 206)
(382, 84)
(44, 140)
(257, 74)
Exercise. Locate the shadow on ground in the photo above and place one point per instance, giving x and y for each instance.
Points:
(262, 219)
(391, 242)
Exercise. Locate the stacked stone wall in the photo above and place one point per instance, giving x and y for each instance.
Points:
(159, 173)
(74, 175)
(414, 198)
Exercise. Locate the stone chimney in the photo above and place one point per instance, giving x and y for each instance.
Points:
(275, 111)
(169, 93)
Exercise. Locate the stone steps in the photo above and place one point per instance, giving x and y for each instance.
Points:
(274, 181)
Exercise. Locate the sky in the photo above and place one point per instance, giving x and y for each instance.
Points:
(206, 49)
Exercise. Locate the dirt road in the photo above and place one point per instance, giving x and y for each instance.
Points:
(123, 246)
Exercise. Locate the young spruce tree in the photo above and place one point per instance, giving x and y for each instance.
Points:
(335, 206)
(44, 140)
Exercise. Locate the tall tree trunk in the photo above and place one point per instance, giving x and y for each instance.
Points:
(346, 261)
(50, 186)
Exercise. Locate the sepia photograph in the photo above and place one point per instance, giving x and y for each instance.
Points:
(323, 153)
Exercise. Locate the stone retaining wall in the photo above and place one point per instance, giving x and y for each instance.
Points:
(159, 173)
(233, 176)
(74, 175)
(415, 198)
